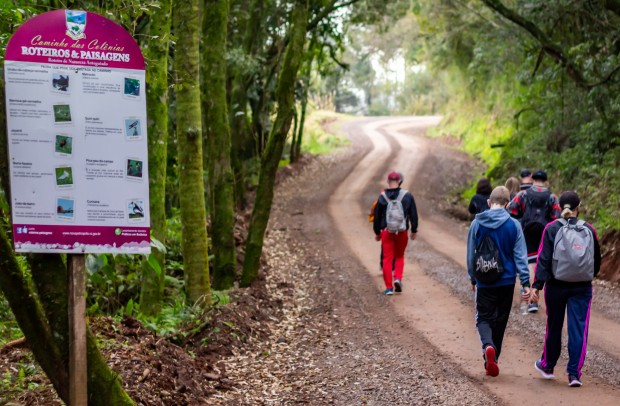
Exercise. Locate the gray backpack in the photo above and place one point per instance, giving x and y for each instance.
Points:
(395, 213)
(573, 253)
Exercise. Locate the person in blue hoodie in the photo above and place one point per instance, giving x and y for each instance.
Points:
(494, 299)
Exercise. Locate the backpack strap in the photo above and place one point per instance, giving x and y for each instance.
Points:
(484, 232)
(399, 198)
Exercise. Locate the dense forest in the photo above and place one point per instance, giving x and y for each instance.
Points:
(231, 85)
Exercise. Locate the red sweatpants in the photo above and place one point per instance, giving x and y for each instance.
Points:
(393, 245)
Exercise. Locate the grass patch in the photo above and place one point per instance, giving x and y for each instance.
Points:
(322, 132)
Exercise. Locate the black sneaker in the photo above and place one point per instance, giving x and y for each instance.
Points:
(546, 372)
(532, 308)
(573, 381)
(398, 286)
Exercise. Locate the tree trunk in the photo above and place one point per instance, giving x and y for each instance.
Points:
(243, 143)
(156, 53)
(31, 319)
(302, 121)
(186, 20)
(217, 135)
(285, 96)
(294, 136)
(104, 385)
(305, 86)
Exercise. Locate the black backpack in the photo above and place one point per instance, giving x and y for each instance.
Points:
(488, 263)
(536, 215)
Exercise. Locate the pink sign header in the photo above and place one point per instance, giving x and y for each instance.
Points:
(77, 38)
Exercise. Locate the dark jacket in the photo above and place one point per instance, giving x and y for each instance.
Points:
(508, 237)
(478, 203)
(516, 207)
(408, 202)
(544, 272)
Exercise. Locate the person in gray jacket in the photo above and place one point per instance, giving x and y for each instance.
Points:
(495, 233)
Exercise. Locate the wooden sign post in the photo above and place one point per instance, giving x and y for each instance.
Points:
(78, 357)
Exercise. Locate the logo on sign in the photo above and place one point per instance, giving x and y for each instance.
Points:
(76, 23)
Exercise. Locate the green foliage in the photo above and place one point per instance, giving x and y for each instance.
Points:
(9, 330)
(178, 319)
(11, 17)
(14, 382)
(113, 280)
(507, 92)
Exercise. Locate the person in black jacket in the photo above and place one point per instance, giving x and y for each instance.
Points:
(478, 203)
(572, 298)
(394, 240)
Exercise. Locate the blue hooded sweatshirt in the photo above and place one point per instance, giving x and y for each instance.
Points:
(508, 237)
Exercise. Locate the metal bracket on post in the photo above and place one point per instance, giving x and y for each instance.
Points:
(78, 391)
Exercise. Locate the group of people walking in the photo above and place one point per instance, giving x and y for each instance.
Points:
(518, 228)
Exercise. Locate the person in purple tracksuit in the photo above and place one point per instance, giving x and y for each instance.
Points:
(572, 298)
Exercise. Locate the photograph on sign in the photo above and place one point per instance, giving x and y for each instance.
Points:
(64, 177)
(60, 83)
(132, 88)
(133, 129)
(134, 169)
(62, 113)
(63, 147)
(64, 209)
(135, 210)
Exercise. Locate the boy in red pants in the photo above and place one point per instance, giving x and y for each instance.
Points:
(395, 215)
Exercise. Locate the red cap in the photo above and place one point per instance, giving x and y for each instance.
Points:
(394, 176)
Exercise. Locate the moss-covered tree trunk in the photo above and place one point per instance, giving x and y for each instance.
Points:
(285, 97)
(306, 71)
(294, 134)
(186, 21)
(243, 143)
(31, 319)
(156, 53)
(217, 136)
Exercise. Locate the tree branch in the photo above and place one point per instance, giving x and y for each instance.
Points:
(333, 6)
(550, 48)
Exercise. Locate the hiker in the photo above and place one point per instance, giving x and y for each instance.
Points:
(496, 255)
(371, 219)
(513, 186)
(395, 213)
(569, 258)
(535, 207)
(478, 202)
(526, 179)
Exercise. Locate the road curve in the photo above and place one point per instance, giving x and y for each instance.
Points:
(443, 318)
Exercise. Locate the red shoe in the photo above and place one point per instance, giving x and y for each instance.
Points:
(491, 364)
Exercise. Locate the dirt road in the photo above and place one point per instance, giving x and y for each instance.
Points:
(437, 301)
